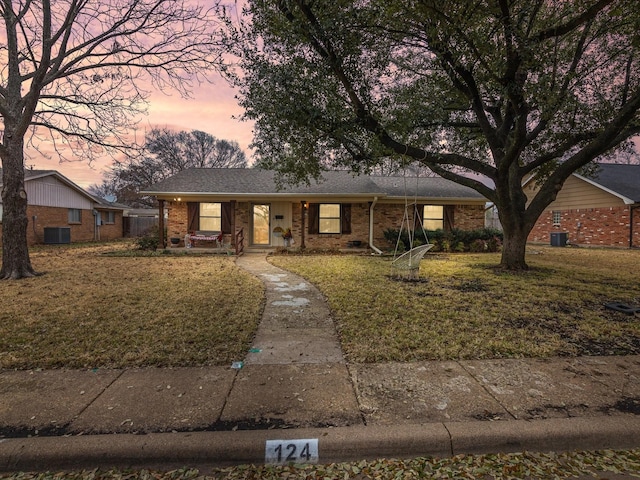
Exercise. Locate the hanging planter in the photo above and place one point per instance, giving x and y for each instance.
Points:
(277, 231)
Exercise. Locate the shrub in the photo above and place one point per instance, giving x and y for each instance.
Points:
(149, 240)
(456, 240)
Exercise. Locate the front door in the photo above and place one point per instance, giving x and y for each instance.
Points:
(261, 231)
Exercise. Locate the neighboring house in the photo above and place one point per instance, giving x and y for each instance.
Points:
(59, 211)
(600, 211)
(340, 211)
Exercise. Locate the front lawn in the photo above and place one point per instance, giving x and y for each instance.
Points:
(467, 309)
(91, 310)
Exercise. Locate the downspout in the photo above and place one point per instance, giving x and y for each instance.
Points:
(631, 210)
(373, 247)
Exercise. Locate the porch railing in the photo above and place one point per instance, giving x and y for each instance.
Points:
(240, 242)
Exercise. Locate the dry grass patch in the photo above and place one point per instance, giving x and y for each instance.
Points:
(92, 310)
(468, 309)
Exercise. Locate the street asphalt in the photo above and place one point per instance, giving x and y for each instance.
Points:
(293, 397)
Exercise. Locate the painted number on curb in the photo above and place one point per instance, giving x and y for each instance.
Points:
(283, 452)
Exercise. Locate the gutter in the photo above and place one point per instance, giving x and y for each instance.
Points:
(373, 247)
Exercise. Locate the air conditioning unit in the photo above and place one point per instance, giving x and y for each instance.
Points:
(55, 235)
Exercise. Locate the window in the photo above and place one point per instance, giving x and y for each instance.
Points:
(211, 217)
(329, 218)
(557, 217)
(109, 217)
(433, 217)
(75, 215)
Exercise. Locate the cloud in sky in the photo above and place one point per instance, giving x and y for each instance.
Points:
(211, 109)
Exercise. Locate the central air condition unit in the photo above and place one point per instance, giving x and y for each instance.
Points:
(55, 235)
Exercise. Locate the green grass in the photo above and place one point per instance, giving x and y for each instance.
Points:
(92, 310)
(468, 309)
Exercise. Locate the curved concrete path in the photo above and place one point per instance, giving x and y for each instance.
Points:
(294, 374)
(296, 325)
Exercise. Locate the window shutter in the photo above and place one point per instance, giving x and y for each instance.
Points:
(193, 216)
(226, 217)
(345, 218)
(448, 217)
(314, 218)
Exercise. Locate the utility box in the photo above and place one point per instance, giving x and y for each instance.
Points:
(57, 235)
(559, 239)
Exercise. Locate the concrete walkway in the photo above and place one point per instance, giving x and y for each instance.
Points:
(294, 384)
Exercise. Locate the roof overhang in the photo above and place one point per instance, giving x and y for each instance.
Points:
(355, 197)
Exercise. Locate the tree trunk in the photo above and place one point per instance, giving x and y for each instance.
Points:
(15, 253)
(513, 251)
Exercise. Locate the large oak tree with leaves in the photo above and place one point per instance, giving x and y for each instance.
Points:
(76, 73)
(483, 92)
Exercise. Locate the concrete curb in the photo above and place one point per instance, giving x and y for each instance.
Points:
(207, 450)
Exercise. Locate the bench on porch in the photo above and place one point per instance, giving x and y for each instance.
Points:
(205, 236)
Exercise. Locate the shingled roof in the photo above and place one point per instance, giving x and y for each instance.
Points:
(253, 181)
(620, 179)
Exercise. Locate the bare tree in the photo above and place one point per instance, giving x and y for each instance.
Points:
(165, 154)
(73, 72)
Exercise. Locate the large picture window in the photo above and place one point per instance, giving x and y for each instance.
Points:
(329, 218)
(433, 217)
(211, 217)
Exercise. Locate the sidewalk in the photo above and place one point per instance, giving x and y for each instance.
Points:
(295, 384)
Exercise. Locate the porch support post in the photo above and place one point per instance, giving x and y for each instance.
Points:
(233, 223)
(303, 210)
(632, 208)
(161, 237)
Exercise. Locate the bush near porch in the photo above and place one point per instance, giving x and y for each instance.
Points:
(455, 240)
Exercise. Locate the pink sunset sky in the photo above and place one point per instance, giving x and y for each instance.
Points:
(211, 109)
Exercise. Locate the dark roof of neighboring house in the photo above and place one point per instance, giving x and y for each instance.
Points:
(621, 179)
(253, 181)
(30, 174)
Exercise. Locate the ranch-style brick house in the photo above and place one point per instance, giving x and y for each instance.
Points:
(599, 210)
(59, 211)
(341, 210)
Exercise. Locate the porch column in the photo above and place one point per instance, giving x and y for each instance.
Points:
(163, 240)
(303, 210)
(233, 223)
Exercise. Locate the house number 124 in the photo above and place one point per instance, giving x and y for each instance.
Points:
(283, 452)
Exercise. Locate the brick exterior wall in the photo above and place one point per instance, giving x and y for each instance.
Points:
(59, 217)
(607, 226)
(111, 231)
(467, 217)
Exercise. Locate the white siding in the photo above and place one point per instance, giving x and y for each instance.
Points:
(49, 192)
